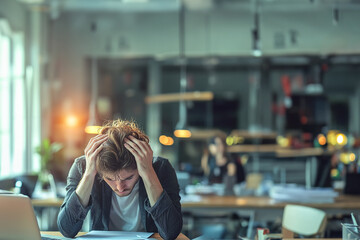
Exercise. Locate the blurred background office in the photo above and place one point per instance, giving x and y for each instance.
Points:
(278, 78)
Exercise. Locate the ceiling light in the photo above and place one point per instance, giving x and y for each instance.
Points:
(256, 48)
(335, 16)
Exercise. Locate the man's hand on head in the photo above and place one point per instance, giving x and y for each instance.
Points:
(143, 154)
(92, 150)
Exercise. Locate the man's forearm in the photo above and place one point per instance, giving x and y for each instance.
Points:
(153, 187)
(83, 190)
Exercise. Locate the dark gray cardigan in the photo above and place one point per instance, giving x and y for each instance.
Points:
(164, 217)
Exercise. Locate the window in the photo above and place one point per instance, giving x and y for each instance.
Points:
(12, 102)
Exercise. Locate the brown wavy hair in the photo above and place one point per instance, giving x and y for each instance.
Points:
(114, 156)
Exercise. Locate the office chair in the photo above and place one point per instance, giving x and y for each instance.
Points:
(301, 221)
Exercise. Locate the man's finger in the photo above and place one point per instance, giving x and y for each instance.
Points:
(98, 149)
(94, 139)
(136, 144)
(132, 150)
(97, 143)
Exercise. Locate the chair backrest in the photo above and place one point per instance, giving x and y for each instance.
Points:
(303, 220)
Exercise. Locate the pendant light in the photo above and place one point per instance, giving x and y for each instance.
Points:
(256, 48)
(93, 126)
(181, 130)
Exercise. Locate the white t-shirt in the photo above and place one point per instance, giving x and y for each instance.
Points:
(125, 212)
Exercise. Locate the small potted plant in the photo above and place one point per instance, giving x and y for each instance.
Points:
(46, 150)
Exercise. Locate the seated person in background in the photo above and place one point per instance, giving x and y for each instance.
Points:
(123, 185)
(218, 165)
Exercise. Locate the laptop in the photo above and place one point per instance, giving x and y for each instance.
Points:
(17, 219)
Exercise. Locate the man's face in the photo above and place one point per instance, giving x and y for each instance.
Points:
(122, 182)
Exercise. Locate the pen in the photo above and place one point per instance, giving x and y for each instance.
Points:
(354, 219)
(355, 222)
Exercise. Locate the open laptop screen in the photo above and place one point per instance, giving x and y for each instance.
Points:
(17, 218)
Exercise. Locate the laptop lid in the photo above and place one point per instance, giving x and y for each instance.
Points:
(17, 218)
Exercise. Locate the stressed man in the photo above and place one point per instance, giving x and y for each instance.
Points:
(123, 185)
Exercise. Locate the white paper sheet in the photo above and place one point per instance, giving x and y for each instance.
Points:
(115, 235)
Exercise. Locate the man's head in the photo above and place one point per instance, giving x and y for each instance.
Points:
(115, 164)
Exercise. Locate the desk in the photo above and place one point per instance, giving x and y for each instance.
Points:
(313, 239)
(342, 203)
(155, 235)
(262, 208)
(50, 202)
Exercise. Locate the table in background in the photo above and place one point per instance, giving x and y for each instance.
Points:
(262, 208)
(47, 210)
(313, 239)
(155, 235)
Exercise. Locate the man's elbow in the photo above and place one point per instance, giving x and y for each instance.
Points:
(175, 231)
(65, 231)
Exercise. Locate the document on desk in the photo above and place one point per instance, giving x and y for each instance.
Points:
(115, 235)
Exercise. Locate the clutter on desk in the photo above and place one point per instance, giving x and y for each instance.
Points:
(300, 194)
(256, 185)
(190, 198)
(214, 189)
(350, 231)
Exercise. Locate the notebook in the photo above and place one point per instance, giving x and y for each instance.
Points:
(17, 219)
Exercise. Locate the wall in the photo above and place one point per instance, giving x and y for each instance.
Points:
(15, 13)
(156, 34)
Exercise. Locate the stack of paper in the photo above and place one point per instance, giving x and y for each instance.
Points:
(118, 235)
(298, 194)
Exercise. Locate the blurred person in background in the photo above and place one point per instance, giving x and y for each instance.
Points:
(218, 165)
(123, 185)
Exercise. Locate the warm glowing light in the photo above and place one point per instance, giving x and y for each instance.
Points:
(334, 172)
(233, 140)
(92, 129)
(344, 158)
(283, 141)
(170, 141)
(165, 140)
(238, 140)
(71, 121)
(352, 157)
(244, 159)
(341, 139)
(229, 140)
(162, 139)
(182, 133)
(321, 139)
(331, 137)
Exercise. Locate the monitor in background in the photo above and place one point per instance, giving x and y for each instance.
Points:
(27, 183)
